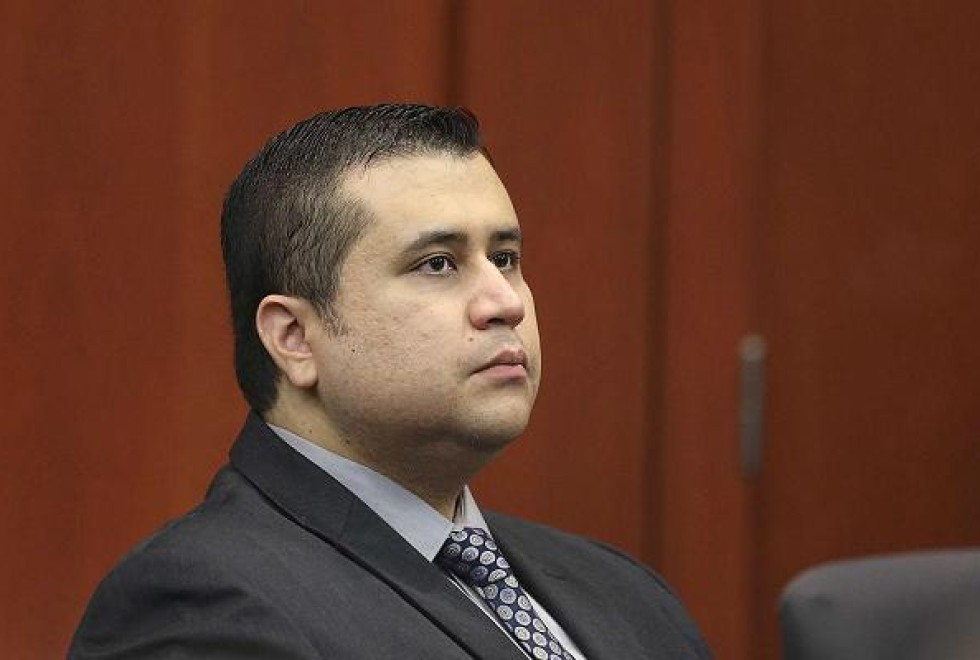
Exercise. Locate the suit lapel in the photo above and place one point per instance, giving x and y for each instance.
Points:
(317, 502)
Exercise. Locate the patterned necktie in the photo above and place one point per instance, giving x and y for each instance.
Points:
(471, 555)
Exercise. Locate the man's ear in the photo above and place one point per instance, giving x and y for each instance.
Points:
(284, 324)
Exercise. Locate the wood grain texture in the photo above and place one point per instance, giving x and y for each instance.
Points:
(707, 518)
(122, 124)
(868, 275)
(570, 122)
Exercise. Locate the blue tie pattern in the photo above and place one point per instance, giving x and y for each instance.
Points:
(472, 555)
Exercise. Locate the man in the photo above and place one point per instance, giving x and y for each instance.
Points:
(386, 341)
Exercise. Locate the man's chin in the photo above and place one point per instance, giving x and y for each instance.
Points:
(494, 433)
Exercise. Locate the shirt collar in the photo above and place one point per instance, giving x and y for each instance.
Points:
(424, 528)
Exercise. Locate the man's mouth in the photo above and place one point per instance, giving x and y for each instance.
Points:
(508, 363)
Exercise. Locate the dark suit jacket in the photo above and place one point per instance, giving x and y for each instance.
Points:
(281, 561)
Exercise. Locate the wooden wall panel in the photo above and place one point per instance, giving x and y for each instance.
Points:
(568, 101)
(121, 125)
(823, 168)
(708, 512)
(868, 277)
(87, 270)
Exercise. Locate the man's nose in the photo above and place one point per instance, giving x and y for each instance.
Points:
(495, 300)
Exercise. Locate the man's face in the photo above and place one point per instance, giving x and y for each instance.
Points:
(436, 339)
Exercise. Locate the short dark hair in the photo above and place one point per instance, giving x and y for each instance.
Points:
(286, 227)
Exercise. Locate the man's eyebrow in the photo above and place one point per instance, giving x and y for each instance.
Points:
(440, 237)
(512, 235)
(436, 237)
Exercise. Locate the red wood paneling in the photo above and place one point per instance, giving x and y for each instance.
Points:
(707, 515)
(868, 274)
(824, 160)
(87, 265)
(567, 98)
(122, 123)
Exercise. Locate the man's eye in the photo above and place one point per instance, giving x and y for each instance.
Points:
(505, 260)
(437, 265)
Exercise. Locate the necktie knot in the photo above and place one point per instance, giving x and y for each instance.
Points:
(473, 557)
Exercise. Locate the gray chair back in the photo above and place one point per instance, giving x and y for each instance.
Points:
(916, 606)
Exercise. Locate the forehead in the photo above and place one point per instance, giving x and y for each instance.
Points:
(440, 192)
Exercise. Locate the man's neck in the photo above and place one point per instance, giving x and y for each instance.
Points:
(435, 471)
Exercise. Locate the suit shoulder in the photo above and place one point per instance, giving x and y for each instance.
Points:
(605, 573)
(192, 580)
(226, 536)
